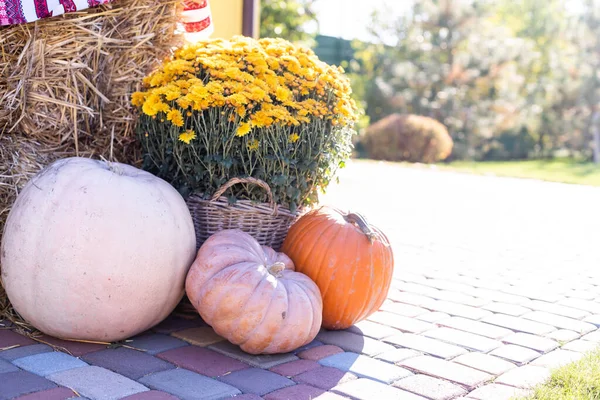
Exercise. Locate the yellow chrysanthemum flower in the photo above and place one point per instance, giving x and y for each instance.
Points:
(243, 129)
(187, 136)
(293, 138)
(138, 98)
(175, 117)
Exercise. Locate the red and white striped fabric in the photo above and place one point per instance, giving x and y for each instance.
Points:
(13, 12)
(196, 16)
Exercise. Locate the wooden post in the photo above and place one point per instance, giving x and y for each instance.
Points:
(250, 18)
(596, 136)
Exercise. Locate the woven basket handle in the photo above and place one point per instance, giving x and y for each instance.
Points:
(253, 181)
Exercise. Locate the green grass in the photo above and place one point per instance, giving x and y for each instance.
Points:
(576, 381)
(565, 171)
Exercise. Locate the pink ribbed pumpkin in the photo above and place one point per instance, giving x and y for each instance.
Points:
(251, 295)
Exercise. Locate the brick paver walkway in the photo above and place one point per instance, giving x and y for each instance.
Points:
(497, 281)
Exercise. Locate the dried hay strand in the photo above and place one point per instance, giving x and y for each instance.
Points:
(65, 87)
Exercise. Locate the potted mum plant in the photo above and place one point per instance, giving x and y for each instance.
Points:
(249, 131)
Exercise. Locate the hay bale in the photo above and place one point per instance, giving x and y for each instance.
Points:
(65, 87)
(69, 79)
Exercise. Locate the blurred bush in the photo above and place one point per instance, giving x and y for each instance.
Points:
(411, 138)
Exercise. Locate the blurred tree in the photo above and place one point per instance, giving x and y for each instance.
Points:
(451, 63)
(590, 71)
(287, 19)
(551, 86)
(509, 78)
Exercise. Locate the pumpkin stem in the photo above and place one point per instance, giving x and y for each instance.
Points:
(276, 269)
(363, 225)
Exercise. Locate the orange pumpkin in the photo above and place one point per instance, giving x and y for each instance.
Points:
(351, 262)
(251, 295)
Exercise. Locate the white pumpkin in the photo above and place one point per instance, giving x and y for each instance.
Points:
(96, 251)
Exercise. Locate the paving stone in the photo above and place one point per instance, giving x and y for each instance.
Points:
(524, 377)
(593, 337)
(580, 294)
(488, 282)
(202, 360)
(174, 324)
(97, 383)
(18, 383)
(460, 298)
(154, 343)
(128, 362)
(464, 339)
(504, 308)
(247, 396)
(76, 349)
(518, 324)
(324, 377)
(533, 342)
(406, 310)
(24, 351)
(372, 330)
(497, 392)
(586, 305)
(444, 284)
(495, 295)
(557, 309)
(256, 381)
(535, 294)
(314, 343)
(433, 316)
(484, 362)
(265, 361)
(58, 393)
(429, 387)
(411, 298)
(184, 385)
(405, 324)
(417, 288)
(366, 389)
(580, 346)
(316, 353)
(560, 322)
(354, 343)
(398, 355)
(564, 335)
(453, 372)
(557, 358)
(426, 345)
(409, 277)
(299, 392)
(459, 310)
(365, 367)
(44, 364)
(200, 336)
(593, 319)
(6, 366)
(294, 368)
(152, 395)
(475, 327)
(517, 354)
(9, 338)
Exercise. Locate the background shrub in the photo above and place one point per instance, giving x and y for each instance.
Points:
(409, 138)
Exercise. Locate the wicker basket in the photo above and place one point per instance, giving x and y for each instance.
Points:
(266, 222)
